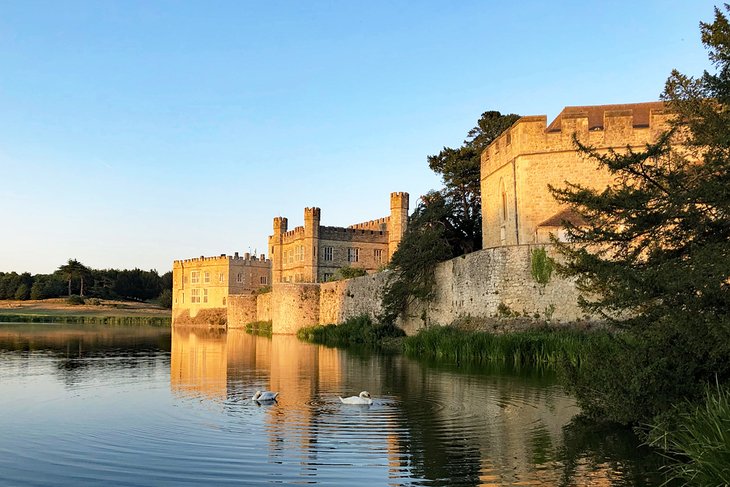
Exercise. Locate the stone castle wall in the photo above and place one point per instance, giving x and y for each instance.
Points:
(518, 166)
(484, 284)
(242, 309)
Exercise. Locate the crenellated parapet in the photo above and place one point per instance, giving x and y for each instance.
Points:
(292, 235)
(352, 234)
(245, 259)
(600, 126)
(379, 224)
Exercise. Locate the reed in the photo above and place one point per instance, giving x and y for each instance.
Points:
(529, 348)
(359, 330)
(698, 440)
(88, 320)
(260, 328)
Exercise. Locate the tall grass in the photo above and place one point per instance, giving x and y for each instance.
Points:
(359, 330)
(260, 328)
(535, 347)
(699, 441)
(88, 320)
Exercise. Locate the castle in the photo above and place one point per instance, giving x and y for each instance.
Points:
(516, 169)
(313, 253)
(207, 283)
(519, 214)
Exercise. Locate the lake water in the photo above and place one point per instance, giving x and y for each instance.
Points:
(150, 406)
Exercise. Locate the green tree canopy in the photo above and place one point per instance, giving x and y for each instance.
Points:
(655, 252)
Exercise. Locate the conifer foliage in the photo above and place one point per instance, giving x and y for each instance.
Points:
(655, 253)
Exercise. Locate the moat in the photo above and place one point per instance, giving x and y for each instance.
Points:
(154, 406)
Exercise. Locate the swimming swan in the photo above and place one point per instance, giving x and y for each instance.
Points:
(363, 399)
(265, 396)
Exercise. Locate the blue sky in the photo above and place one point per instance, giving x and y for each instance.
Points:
(136, 133)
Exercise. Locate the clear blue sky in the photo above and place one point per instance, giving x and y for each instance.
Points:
(136, 133)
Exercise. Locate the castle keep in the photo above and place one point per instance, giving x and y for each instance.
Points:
(313, 253)
(516, 169)
(207, 283)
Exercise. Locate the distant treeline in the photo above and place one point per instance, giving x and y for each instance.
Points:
(75, 278)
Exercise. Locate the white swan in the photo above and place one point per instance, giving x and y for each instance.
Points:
(363, 399)
(265, 396)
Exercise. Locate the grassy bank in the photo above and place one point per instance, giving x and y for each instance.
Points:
(92, 312)
(541, 347)
(697, 437)
(358, 331)
(87, 320)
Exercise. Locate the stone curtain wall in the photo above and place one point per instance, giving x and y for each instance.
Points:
(491, 282)
(263, 307)
(242, 309)
(341, 300)
(294, 306)
(484, 284)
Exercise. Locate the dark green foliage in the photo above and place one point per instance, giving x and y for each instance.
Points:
(655, 254)
(348, 272)
(356, 331)
(546, 347)
(260, 328)
(698, 436)
(165, 299)
(445, 223)
(263, 290)
(75, 300)
(76, 278)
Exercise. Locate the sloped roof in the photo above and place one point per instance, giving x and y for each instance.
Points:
(640, 112)
(565, 215)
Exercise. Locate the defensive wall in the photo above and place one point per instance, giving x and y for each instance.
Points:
(490, 283)
(518, 166)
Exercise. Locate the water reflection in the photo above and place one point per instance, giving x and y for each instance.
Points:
(142, 406)
(428, 425)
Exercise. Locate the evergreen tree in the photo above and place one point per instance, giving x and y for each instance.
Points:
(655, 252)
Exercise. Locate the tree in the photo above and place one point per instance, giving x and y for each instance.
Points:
(446, 223)
(655, 253)
(75, 270)
(460, 170)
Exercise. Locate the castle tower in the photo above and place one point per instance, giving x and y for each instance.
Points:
(311, 244)
(398, 220)
(275, 247)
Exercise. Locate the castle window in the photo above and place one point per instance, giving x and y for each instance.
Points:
(239, 277)
(327, 253)
(263, 280)
(205, 295)
(221, 277)
(194, 277)
(224, 300)
(195, 295)
(503, 192)
(353, 254)
(291, 256)
(206, 277)
(378, 255)
(327, 276)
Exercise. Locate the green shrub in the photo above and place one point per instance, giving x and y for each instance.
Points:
(263, 290)
(698, 438)
(75, 300)
(165, 299)
(359, 330)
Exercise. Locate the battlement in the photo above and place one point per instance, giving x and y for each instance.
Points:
(294, 234)
(399, 199)
(280, 224)
(244, 259)
(600, 126)
(379, 224)
(352, 234)
(312, 213)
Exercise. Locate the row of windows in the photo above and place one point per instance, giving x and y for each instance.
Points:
(353, 254)
(195, 278)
